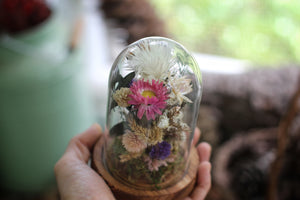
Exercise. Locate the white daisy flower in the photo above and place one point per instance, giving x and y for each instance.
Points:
(179, 88)
(151, 61)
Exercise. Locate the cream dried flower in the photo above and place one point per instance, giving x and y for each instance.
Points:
(179, 88)
(175, 116)
(151, 135)
(182, 136)
(154, 135)
(121, 97)
(184, 127)
(163, 121)
(138, 130)
(173, 111)
(132, 142)
(151, 61)
(175, 134)
(178, 117)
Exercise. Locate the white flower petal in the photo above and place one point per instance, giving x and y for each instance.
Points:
(151, 61)
(180, 87)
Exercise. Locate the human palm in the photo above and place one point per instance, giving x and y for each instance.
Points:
(76, 180)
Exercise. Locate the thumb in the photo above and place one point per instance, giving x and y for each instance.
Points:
(75, 179)
(79, 149)
(80, 146)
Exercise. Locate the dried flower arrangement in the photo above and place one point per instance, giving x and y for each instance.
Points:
(151, 140)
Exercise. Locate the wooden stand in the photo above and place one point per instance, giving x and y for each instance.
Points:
(123, 192)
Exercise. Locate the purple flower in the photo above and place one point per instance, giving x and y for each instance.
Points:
(160, 151)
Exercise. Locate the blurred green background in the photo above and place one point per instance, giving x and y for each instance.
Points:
(266, 32)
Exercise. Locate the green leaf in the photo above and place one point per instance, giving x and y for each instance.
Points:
(118, 129)
(124, 82)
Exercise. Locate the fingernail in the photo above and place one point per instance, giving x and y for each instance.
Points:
(209, 166)
(96, 127)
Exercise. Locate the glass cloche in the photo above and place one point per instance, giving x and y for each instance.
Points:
(154, 96)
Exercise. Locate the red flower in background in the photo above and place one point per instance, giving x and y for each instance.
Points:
(20, 15)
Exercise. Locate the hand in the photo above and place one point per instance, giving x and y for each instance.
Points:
(203, 183)
(75, 179)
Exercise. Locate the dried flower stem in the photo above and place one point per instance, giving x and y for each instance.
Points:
(283, 137)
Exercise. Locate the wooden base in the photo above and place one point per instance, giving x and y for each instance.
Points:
(123, 192)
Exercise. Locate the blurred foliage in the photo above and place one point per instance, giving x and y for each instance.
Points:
(266, 32)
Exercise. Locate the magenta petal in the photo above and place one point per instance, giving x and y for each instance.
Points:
(151, 105)
(148, 116)
(132, 102)
(150, 113)
(157, 111)
(141, 111)
(153, 100)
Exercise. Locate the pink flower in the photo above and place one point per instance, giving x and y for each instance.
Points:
(155, 164)
(133, 143)
(148, 98)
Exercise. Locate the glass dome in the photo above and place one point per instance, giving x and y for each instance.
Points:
(154, 96)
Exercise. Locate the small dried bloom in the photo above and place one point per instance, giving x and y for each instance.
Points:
(154, 164)
(137, 129)
(182, 136)
(132, 142)
(176, 123)
(179, 88)
(154, 135)
(151, 135)
(178, 117)
(174, 111)
(163, 122)
(184, 127)
(121, 97)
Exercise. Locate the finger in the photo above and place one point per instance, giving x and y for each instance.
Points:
(204, 151)
(87, 138)
(75, 179)
(197, 134)
(78, 150)
(79, 147)
(203, 181)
